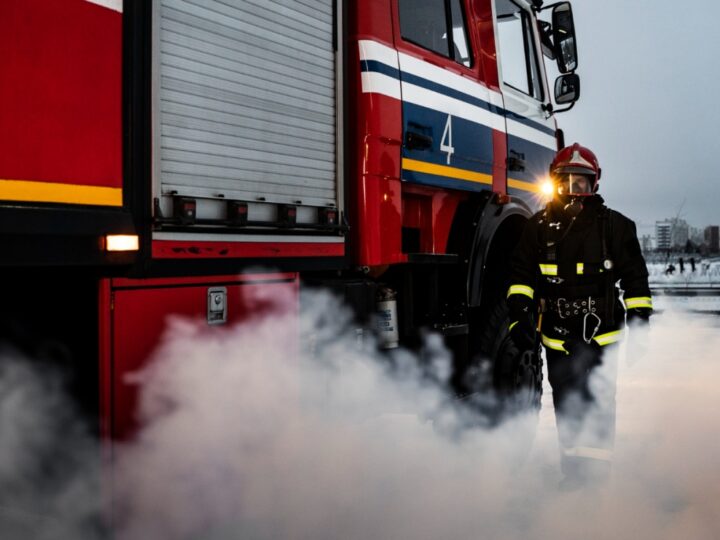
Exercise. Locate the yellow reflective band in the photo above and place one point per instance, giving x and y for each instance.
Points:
(525, 186)
(602, 454)
(554, 344)
(610, 337)
(443, 170)
(548, 269)
(580, 268)
(51, 192)
(639, 302)
(521, 289)
(512, 326)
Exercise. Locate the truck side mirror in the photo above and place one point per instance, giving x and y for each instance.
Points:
(563, 29)
(567, 89)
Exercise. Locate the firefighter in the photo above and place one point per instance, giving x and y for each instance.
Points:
(563, 281)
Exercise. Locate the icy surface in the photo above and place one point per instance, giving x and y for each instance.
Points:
(706, 274)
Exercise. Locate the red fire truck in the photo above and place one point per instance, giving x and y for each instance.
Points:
(155, 154)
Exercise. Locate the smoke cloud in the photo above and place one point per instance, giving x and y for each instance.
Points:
(245, 438)
(49, 463)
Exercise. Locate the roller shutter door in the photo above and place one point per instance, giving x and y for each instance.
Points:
(246, 98)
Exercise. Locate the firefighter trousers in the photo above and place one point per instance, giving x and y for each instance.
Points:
(583, 387)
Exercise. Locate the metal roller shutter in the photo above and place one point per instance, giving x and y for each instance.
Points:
(246, 98)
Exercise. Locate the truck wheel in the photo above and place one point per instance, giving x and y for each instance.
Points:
(508, 381)
(517, 378)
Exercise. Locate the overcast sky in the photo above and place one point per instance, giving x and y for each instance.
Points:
(650, 75)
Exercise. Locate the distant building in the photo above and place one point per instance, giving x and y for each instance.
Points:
(646, 243)
(672, 234)
(680, 233)
(663, 230)
(712, 238)
(697, 236)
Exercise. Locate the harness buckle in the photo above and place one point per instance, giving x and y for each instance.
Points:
(595, 330)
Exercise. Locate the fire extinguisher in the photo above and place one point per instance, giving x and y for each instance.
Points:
(386, 326)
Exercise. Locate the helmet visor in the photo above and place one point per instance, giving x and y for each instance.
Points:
(575, 184)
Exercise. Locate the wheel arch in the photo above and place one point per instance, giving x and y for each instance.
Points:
(497, 232)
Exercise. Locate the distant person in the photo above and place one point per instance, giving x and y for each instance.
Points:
(682, 265)
(692, 264)
(566, 265)
(670, 270)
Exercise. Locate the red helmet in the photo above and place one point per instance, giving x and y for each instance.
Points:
(576, 160)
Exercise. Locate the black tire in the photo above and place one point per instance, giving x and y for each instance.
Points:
(501, 380)
(518, 378)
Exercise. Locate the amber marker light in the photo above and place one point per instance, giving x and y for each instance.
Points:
(122, 242)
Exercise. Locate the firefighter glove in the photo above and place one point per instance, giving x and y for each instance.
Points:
(638, 317)
(523, 333)
(522, 321)
(638, 340)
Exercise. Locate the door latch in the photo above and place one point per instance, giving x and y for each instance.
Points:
(217, 305)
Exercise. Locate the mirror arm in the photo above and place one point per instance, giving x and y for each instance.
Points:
(550, 6)
(565, 109)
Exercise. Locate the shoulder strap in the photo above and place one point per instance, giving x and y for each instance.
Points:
(546, 249)
(605, 235)
(608, 263)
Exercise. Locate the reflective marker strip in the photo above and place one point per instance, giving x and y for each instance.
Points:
(444, 170)
(512, 326)
(549, 269)
(589, 452)
(610, 337)
(377, 83)
(580, 268)
(453, 172)
(521, 289)
(554, 344)
(443, 91)
(639, 302)
(525, 186)
(27, 191)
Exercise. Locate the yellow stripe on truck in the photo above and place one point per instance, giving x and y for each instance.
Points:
(463, 174)
(443, 170)
(50, 192)
(525, 186)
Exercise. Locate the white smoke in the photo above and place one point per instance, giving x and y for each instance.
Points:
(245, 438)
(49, 464)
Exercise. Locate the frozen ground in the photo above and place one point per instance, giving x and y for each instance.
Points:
(706, 274)
(668, 438)
(697, 291)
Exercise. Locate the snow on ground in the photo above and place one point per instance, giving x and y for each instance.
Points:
(688, 290)
(706, 274)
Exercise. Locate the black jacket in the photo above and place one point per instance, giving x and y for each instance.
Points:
(572, 266)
